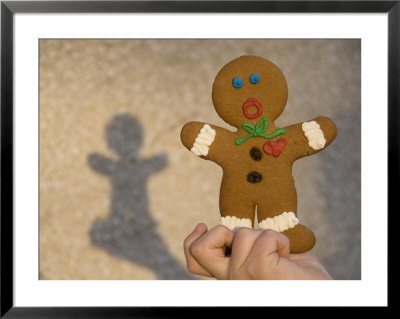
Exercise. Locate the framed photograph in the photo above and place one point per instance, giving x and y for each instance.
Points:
(99, 193)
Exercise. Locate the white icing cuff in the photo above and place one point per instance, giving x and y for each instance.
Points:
(203, 140)
(314, 134)
(234, 223)
(280, 223)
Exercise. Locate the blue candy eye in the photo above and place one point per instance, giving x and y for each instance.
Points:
(254, 78)
(237, 82)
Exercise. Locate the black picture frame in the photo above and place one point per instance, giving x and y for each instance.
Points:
(9, 8)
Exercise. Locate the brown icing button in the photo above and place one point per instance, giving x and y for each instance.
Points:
(255, 154)
(254, 177)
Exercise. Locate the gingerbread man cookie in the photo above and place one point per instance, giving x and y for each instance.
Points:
(250, 93)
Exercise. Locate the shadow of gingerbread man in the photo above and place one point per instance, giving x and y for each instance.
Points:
(130, 232)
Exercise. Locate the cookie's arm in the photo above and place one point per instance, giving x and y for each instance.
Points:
(204, 140)
(312, 136)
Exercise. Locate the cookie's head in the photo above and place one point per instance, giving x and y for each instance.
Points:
(248, 89)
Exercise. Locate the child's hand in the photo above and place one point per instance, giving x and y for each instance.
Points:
(255, 254)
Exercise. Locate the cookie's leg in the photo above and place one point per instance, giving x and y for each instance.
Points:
(281, 217)
(301, 238)
(236, 211)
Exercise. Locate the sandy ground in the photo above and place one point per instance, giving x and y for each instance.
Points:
(119, 192)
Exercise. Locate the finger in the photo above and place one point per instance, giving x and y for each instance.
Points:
(209, 253)
(271, 242)
(242, 245)
(192, 265)
(217, 238)
(197, 232)
(269, 250)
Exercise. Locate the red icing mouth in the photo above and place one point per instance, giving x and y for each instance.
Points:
(252, 102)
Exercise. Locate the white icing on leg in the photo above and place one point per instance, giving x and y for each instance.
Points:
(234, 223)
(280, 223)
(203, 140)
(314, 134)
